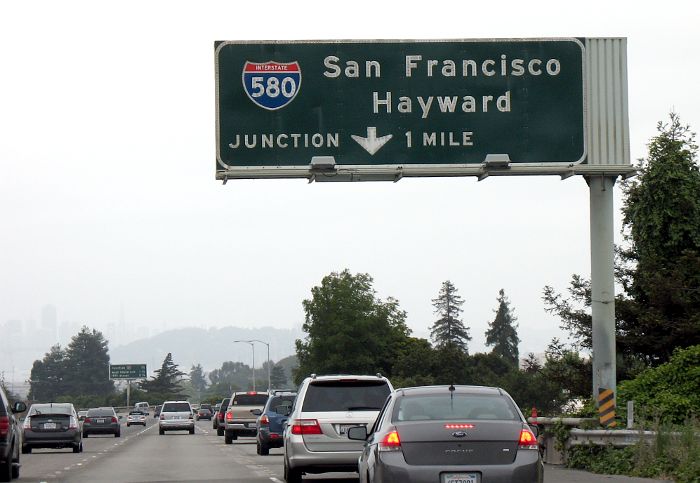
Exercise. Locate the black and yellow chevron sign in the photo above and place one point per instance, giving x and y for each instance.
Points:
(606, 407)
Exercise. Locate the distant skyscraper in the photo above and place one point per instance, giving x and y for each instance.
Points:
(49, 321)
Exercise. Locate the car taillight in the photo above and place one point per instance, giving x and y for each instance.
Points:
(27, 424)
(229, 416)
(73, 423)
(527, 440)
(390, 442)
(114, 420)
(87, 420)
(220, 415)
(4, 426)
(459, 426)
(306, 426)
(264, 420)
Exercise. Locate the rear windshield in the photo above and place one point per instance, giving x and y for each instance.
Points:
(39, 409)
(249, 399)
(345, 396)
(442, 407)
(281, 401)
(100, 412)
(182, 407)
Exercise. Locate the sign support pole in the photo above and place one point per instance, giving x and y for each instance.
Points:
(128, 393)
(602, 283)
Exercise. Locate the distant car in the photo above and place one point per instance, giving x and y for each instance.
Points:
(51, 425)
(81, 415)
(203, 413)
(176, 416)
(156, 411)
(102, 421)
(271, 422)
(10, 437)
(219, 423)
(144, 407)
(135, 417)
(315, 438)
(242, 414)
(456, 434)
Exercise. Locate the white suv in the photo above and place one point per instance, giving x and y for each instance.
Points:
(176, 416)
(315, 438)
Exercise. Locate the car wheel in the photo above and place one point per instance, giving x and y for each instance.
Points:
(78, 448)
(15, 469)
(6, 470)
(127, 425)
(85, 435)
(161, 432)
(192, 431)
(118, 434)
(291, 475)
(263, 449)
(219, 431)
(26, 449)
(227, 438)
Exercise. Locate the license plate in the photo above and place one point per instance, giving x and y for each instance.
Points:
(49, 425)
(460, 478)
(100, 421)
(343, 428)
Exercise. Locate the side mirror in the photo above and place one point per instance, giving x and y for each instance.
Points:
(256, 412)
(19, 407)
(535, 430)
(357, 433)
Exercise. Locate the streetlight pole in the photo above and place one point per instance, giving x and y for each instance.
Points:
(253, 347)
(269, 385)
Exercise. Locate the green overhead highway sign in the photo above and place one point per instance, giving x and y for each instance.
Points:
(433, 104)
(127, 371)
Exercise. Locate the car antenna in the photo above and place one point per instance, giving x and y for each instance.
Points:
(452, 396)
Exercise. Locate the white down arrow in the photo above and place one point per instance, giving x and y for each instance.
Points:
(372, 143)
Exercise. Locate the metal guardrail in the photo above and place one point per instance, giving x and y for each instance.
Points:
(604, 437)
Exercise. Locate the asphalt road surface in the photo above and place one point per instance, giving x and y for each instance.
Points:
(141, 455)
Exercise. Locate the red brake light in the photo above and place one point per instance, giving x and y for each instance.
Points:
(114, 420)
(459, 426)
(391, 442)
(4, 426)
(527, 440)
(229, 416)
(251, 393)
(264, 419)
(87, 420)
(306, 426)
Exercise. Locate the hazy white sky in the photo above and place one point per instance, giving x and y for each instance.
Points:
(107, 155)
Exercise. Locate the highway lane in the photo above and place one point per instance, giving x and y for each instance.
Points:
(142, 455)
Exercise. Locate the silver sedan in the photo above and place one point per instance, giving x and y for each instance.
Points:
(455, 434)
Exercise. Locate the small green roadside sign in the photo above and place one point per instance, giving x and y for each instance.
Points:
(393, 102)
(127, 371)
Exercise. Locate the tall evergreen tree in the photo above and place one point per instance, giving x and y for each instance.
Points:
(278, 378)
(87, 365)
(165, 383)
(46, 378)
(349, 330)
(197, 381)
(502, 333)
(449, 330)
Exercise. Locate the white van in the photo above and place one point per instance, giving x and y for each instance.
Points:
(143, 407)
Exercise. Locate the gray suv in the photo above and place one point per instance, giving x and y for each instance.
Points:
(10, 437)
(315, 438)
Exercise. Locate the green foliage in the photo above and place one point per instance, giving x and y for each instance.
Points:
(348, 329)
(502, 333)
(673, 454)
(278, 377)
(197, 381)
(670, 392)
(165, 383)
(449, 328)
(78, 371)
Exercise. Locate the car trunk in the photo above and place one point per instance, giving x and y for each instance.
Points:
(50, 422)
(334, 426)
(486, 443)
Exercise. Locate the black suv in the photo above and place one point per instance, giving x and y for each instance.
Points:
(10, 437)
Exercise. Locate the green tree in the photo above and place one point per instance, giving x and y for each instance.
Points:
(416, 363)
(349, 330)
(278, 378)
(661, 266)
(166, 382)
(449, 330)
(502, 333)
(87, 365)
(229, 377)
(46, 377)
(197, 381)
